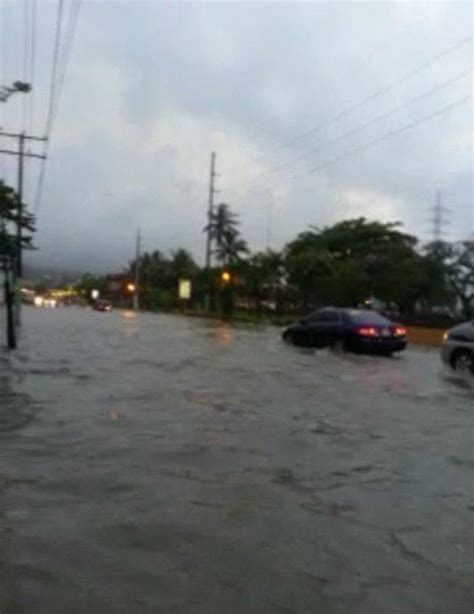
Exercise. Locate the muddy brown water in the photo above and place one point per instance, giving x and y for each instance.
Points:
(154, 463)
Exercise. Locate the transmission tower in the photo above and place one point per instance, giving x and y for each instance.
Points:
(439, 219)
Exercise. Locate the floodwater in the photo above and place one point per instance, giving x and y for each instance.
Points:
(155, 463)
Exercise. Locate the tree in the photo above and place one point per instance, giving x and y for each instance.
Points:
(159, 275)
(9, 206)
(183, 265)
(458, 260)
(89, 282)
(260, 274)
(223, 228)
(311, 270)
(352, 260)
(438, 289)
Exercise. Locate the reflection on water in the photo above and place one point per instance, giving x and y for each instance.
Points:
(222, 333)
(463, 381)
(17, 409)
(128, 314)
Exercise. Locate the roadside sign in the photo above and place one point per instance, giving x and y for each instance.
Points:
(184, 289)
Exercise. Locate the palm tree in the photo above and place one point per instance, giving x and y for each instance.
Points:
(230, 247)
(223, 228)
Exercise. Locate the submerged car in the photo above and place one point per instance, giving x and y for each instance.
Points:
(102, 305)
(457, 350)
(357, 330)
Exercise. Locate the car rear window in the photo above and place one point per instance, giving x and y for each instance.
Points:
(324, 316)
(364, 316)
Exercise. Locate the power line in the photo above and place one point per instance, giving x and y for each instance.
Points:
(31, 97)
(32, 64)
(26, 55)
(54, 71)
(2, 72)
(52, 99)
(60, 67)
(392, 133)
(68, 45)
(287, 165)
(387, 135)
(374, 95)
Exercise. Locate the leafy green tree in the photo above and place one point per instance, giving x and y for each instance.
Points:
(352, 260)
(89, 282)
(438, 289)
(310, 269)
(159, 276)
(183, 265)
(458, 261)
(9, 205)
(261, 276)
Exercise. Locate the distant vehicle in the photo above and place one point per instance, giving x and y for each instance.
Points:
(457, 350)
(357, 330)
(102, 304)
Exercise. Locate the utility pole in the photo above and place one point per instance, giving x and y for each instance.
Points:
(21, 158)
(210, 210)
(138, 249)
(21, 155)
(9, 303)
(19, 86)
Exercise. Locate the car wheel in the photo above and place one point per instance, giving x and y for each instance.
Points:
(288, 337)
(463, 361)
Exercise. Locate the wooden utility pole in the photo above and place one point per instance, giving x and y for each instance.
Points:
(21, 158)
(21, 155)
(9, 303)
(210, 209)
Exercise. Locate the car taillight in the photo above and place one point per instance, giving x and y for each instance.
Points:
(399, 331)
(367, 331)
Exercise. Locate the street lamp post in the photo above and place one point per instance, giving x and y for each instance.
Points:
(227, 298)
(8, 90)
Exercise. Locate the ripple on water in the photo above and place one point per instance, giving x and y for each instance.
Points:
(17, 411)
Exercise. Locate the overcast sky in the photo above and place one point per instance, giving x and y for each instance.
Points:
(289, 95)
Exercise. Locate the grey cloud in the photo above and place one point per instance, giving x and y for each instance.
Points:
(177, 80)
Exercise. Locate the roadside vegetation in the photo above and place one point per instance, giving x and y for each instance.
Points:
(352, 262)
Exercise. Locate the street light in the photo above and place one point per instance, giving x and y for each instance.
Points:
(225, 277)
(18, 86)
(131, 287)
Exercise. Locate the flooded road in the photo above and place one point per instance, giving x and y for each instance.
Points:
(165, 464)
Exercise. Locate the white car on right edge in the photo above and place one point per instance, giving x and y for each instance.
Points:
(457, 350)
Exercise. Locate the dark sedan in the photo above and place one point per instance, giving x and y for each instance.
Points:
(102, 305)
(357, 330)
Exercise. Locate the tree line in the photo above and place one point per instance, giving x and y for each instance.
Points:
(347, 263)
